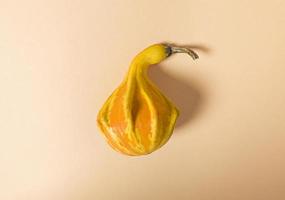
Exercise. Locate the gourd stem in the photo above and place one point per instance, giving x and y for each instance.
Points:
(176, 49)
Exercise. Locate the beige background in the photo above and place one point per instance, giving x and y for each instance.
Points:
(61, 59)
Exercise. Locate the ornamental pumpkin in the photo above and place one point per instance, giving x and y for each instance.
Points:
(137, 118)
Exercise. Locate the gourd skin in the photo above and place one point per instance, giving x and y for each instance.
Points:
(137, 118)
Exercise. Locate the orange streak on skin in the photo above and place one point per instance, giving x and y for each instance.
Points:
(117, 119)
(142, 120)
(117, 115)
(109, 139)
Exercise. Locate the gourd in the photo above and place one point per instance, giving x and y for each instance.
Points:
(137, 118)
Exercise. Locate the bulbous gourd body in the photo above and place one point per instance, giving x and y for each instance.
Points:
(137, 118)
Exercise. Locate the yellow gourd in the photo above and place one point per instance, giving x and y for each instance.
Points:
(137, 118)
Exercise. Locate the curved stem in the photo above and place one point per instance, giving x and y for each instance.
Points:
(177, 49)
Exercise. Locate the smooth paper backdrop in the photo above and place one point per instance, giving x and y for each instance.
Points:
(60, 60)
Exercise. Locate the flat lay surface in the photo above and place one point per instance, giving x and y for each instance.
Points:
(60, 60)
